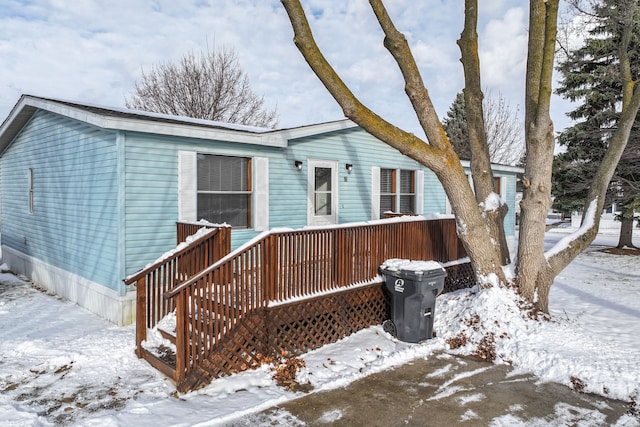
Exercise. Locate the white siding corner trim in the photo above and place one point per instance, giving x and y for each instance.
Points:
(261, 193)
(419, 192)
(375, 192)
(187, 185)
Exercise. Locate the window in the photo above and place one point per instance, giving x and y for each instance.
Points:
(224, 189)
(387, 190)
(30, 184)
(322, 196)
(496, 185)
(397, 196)
(407, 191)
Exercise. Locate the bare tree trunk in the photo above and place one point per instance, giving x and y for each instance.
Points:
(566, 250)
(480, 160)
(532, 274)
(626, 230)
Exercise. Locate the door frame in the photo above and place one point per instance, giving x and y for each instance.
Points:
(312, 218)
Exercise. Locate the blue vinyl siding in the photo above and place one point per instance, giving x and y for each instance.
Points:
(364, 152)
(151, 199)
(74, 224)
(151, 191)
(509, 195)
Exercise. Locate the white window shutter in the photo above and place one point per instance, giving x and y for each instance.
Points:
(187, 186)
(375, 192)
(419, 192)
(261, 193)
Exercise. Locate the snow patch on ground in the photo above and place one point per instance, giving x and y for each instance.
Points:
(63, 365)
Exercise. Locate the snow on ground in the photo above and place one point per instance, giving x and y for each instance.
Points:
(60, 364)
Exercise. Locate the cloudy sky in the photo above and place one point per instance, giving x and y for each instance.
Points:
(95, 50)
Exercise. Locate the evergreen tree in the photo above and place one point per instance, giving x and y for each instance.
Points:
(591, 74)
(455, 124)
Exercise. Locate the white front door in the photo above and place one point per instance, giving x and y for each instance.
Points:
(322, 192)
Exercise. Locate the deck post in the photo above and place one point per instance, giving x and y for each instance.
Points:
(181, 339)
(268, 272)
(141, 314)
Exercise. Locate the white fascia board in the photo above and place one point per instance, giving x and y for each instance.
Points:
(157, 127)
(303, 131)
(65, 110)
(189, 131)
(507, 168)
(495, 167)
(274, 138)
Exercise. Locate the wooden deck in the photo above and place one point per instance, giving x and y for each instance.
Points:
(292, 291)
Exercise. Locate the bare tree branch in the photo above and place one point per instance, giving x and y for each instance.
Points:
(209, 86)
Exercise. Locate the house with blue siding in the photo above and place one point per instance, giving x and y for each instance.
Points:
(90, 194)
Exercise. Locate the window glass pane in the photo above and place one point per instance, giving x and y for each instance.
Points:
(224, 189)
(386, 181)
(496, 185)
(386, 203)
(387, 190)
(222, 173)
(323, 203)
(322, 196)
(323, 179)
(406, 204)
(406, 181)
(230, 208)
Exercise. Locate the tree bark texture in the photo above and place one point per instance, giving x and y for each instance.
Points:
(532, 273)
(481, 171)
(559, 257)
(626, 232)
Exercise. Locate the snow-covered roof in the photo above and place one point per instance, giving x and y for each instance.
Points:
(163, 124)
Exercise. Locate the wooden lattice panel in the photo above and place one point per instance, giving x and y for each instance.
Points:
(459, 276)
(242, 348)
(298, 327)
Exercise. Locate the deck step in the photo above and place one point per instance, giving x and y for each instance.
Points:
(168, 335)
(164, 361)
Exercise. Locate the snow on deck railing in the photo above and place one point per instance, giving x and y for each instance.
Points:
(264, 236)
(283, 265)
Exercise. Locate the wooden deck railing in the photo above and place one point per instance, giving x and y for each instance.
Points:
(153, 281)
(283, 265)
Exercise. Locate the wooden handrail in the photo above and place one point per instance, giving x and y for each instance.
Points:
(186, 229)
(146, 270)
(280, 265)
(156, 279)
(450, 248)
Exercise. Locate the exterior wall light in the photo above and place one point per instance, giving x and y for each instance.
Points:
(297, 164)
(348, 167)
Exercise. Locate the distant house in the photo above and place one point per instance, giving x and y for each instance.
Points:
(92, 194)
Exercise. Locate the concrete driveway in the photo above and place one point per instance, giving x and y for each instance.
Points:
(445, 390)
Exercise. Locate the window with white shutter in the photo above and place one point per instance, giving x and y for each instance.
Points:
(224, 190)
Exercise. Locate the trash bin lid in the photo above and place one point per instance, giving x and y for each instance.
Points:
(413, 269)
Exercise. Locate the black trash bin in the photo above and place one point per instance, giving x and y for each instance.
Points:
(414, 286)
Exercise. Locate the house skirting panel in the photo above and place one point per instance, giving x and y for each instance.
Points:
(94, 297)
